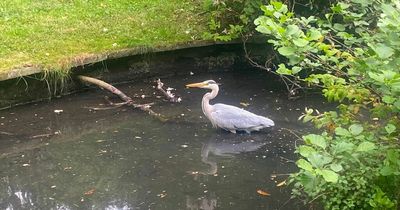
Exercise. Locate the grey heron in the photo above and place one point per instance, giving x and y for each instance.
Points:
(229, 117)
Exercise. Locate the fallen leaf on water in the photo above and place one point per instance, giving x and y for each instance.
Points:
(263, 193)
(90, 192)
(281, 183)
(244, 104)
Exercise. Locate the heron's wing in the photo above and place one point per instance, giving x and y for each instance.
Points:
(234, 118)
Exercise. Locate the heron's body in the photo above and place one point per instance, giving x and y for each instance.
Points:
(229, 117)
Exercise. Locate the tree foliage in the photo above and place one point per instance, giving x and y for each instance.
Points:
(230, 19)
(352, 54)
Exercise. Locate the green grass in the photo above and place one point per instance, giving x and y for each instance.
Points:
(52, 33)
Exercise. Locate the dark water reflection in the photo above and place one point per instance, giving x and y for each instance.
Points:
(123, 159)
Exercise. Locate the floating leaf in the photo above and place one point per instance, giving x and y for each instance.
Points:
(90, 192)
(263, 193)
(281, 183)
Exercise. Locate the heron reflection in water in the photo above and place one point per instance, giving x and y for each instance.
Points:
(229, 117)
(228, 146)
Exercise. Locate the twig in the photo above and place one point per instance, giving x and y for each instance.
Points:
(102, 108)
(6, 133)
(170, 96)
(275, 175)
(42, 135)
(317, 197)
(285, 79)
(287, 160)
(292, 132)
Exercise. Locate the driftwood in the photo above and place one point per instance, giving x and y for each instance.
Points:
(128, 100)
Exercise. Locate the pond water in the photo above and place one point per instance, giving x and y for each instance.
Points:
(124, 159)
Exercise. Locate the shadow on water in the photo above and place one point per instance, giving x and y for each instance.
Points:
(124, 159)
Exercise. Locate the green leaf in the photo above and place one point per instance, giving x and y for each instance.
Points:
(293, 30)
(283, 70)
(397, 104)
(342, 131)
(336, 167)
(343, 147)
(383, 51)
(305, 151)
(304, 164)
(300, 42)
(356, 129)
(318, 160)
(307, 179)
(390, 128)
(339, 27)
(286, 51)
(366, 146)
(329, 176)
(388, 99)
(316, 140)
(314, 34)
(377, 77)
(387, 171)
(296, 69)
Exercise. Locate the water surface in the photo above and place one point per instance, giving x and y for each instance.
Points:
(125, 159)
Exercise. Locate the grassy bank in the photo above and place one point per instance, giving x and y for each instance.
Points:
(53, 33)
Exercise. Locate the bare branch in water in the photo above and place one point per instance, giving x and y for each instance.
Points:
(106, 86)
(167, 93)
(127, 100)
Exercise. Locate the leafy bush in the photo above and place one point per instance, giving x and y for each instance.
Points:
(352, 54)
(230, 19)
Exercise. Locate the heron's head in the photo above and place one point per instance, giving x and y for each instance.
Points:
(208, 84)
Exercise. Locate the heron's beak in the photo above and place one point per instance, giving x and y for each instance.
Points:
(199, 85)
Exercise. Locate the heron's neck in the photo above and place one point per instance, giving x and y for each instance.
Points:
(205, 103)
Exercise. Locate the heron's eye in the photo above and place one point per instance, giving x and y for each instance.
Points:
(211, 82)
